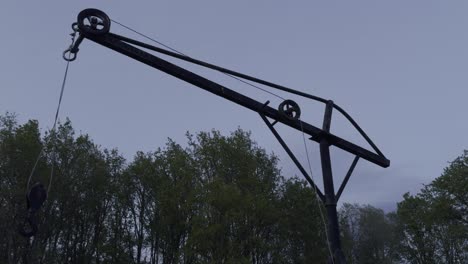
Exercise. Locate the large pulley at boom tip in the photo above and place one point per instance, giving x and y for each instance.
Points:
(89, 21)
(93, 21)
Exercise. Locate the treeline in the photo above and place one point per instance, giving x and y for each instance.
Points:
(219, 199)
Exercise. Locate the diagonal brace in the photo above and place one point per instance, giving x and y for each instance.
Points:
(294, 159)
(348, 175)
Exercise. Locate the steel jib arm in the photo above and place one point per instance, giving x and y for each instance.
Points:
(253, 79)
(109, 40)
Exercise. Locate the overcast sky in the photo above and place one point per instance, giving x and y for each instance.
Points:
(398, 67)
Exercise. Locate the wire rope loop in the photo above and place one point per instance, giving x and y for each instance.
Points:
(68, 55)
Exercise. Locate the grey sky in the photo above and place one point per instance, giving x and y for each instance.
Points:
(398, 67)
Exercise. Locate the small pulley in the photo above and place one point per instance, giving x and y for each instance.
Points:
(290, 109)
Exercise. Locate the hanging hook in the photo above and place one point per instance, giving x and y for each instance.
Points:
(70, 53)
(35, 198)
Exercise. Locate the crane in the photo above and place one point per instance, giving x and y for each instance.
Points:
(94, 25)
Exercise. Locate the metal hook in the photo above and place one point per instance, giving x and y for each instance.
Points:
(73, 49)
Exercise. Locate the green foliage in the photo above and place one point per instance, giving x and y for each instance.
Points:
(220, 199)
(433, 224)
(301, 228)
(368, 234)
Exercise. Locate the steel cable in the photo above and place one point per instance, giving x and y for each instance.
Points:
(316, 195)
(52, 134)
(180, 53)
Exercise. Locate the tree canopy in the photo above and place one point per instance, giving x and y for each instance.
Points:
(215, 199)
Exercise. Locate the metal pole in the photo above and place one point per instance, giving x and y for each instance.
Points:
(330, 199)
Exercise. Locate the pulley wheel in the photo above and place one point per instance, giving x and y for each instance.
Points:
(290, 109)
(93, 21)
